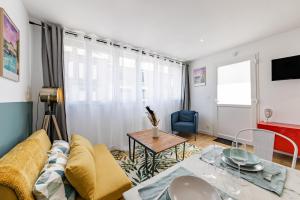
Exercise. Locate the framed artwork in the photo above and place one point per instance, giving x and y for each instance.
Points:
(199, 76)
(9, 48)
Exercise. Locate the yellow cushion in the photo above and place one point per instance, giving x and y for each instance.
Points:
(7, 193)
(20, 167)
(78, 140)
(111, 181)
(81, 172)
(42, 138)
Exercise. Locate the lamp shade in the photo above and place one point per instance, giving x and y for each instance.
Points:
(51, 95)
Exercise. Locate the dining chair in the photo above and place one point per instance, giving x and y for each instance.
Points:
(263, 143)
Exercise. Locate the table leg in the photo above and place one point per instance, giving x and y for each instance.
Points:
(176, 153)
(153, 163)
(183, 151)
(129, 150)
(146, 160)
(133, 151)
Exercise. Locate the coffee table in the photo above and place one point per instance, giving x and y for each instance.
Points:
(164, 142)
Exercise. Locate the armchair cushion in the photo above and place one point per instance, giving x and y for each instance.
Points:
(186, 116)
(184, 127)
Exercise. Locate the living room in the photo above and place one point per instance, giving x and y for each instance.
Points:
(149, 100)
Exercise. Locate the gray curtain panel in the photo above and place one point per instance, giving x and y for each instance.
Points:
(185, 88)
(53, 70)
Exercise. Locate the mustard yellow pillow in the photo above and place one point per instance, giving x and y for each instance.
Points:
(81, 172)
(78, 140)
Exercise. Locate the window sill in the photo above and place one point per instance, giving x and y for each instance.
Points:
(234, 106)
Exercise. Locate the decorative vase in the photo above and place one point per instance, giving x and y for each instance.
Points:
(155, 132)
(268, 113)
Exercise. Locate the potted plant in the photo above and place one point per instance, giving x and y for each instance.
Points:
(154, 121)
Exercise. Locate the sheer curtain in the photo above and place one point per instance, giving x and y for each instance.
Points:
(108, 87)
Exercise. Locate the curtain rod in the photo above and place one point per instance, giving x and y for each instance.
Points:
(36, 24)
(116, 45)
(133, 49)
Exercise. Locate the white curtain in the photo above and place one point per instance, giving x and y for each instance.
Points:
(108, 87)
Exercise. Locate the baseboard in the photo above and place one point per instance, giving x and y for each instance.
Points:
(205, 132)
(233, 138)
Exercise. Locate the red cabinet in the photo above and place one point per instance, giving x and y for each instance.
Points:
(290, 130)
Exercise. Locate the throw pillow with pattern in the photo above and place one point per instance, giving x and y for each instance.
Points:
(60, 146)
(52, 183)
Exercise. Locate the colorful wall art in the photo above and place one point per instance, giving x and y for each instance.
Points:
(9, 48)
(199, 76)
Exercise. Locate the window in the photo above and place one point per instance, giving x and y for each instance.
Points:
(127, 62)
(128, 77)
(100, 73)
(71, 70)
(147, 73)
(81, 71)
(234, 84)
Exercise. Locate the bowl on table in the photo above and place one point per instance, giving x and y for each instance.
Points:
(248, 168)
(191, 188)
(252, 159)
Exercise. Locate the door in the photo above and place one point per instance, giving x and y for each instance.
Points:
(236, 99)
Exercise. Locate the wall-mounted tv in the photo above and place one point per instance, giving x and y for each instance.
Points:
(286, 68)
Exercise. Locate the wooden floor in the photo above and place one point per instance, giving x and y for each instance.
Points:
(204, 140)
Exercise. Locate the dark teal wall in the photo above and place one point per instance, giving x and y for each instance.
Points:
(15, 124)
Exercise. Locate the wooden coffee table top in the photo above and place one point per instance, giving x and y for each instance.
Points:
(163, 142)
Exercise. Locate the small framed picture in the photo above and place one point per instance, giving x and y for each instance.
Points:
(9, 48)
(199, 76)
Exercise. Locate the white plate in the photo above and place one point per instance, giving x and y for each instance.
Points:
(192, 188)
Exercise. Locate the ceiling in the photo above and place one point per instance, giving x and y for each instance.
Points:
(183, 29)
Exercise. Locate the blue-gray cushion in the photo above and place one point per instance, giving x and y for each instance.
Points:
(184, 127)
(186, 116)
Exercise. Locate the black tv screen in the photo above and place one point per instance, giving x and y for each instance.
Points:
(286, 68)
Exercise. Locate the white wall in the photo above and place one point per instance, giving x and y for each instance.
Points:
(18, 91)
(37, 75)
(282, 96)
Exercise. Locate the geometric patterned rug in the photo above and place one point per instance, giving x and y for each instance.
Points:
(136, 171)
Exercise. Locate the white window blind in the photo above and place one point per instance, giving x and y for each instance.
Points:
(234, 84)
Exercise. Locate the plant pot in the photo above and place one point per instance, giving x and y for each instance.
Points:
(155, 132)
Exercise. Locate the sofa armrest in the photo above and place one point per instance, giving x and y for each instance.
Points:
(196, 116)
(174, 119)
(7, 193)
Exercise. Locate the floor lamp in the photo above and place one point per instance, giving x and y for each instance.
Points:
(52, 97)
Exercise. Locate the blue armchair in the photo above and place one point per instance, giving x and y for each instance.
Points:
(185, 121)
